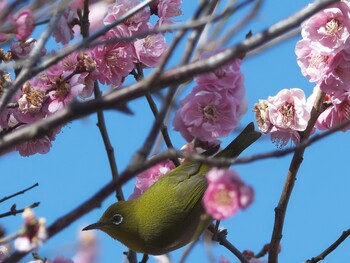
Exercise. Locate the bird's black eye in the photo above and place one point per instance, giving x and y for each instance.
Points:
(117, 219)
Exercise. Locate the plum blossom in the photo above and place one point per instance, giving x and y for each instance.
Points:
(25, 24)
(150, 49)
(226, 194)
(63, 32)
(208, 113)
(33, 234)
(114, 61)
(88, 248)
(166, 10)
(135, 23)
(66, 91)
(228, 76)
(215, 106)
(150, 176)
(21, 49)
(313, 63)
(336, 113)
(337, 77)
(283, 116)
(329, 29)
(41, 145)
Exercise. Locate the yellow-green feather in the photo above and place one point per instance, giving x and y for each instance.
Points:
(168, 215)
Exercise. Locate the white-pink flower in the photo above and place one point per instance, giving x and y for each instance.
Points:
(226, 194)
(33, 234)
(283, 115)
(229, 76)
(208, 113)
(337, 76)
(313, 63)
(150, 49)
(114, 61)
(150, 176)
(167, 9)
(66, 91)
(337, 113)
(63, 32)
(136, 23)
(329, 29)
(25, 24)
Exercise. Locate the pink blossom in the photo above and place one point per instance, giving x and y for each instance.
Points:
(33, 234)
(337, 113)
(223, 259)
(21, 49)
(149, 50)
(337, 77)
(63, 32)
(150, 176)
(167, 9)
(261, 110)
(66, 91)
(288, 114)
(226, 194)
(25, 23)
(136, 23)
(329, 29)
(97, 13)
(313, 63)
(41, 145)
(88, 248)
(228, 76)
(208, 113)
(114, 61)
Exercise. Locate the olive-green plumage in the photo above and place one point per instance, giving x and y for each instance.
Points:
(169, 214)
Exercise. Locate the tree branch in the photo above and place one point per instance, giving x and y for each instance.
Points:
(18, 193)
(331, 248)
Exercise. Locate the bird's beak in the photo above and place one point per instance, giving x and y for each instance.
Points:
(97, 225)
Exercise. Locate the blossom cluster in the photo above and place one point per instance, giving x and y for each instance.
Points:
(215, 105)
(323, 55)
(74, 77)
(34, 233)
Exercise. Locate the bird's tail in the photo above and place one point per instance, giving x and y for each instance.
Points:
(247, 137)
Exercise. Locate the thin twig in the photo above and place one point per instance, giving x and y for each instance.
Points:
(331, 248)
(18, 193)
(221, 238)
(13, 211)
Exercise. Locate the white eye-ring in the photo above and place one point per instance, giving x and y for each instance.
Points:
(117, 219)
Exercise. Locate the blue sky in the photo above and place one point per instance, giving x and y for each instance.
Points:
(77, 167)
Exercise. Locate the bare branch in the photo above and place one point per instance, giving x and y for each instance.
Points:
(331, 248)
(18, 193)
(13, 211)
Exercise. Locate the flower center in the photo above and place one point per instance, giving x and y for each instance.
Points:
(287, 111)
(222, 197)
(333, 26)
(316, 61)
(210, 113)
(62, 89)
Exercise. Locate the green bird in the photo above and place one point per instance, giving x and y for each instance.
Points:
(169, 214)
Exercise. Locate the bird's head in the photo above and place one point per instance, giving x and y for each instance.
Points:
(116, 221)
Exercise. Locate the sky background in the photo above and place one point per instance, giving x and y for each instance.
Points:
(77, 167)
